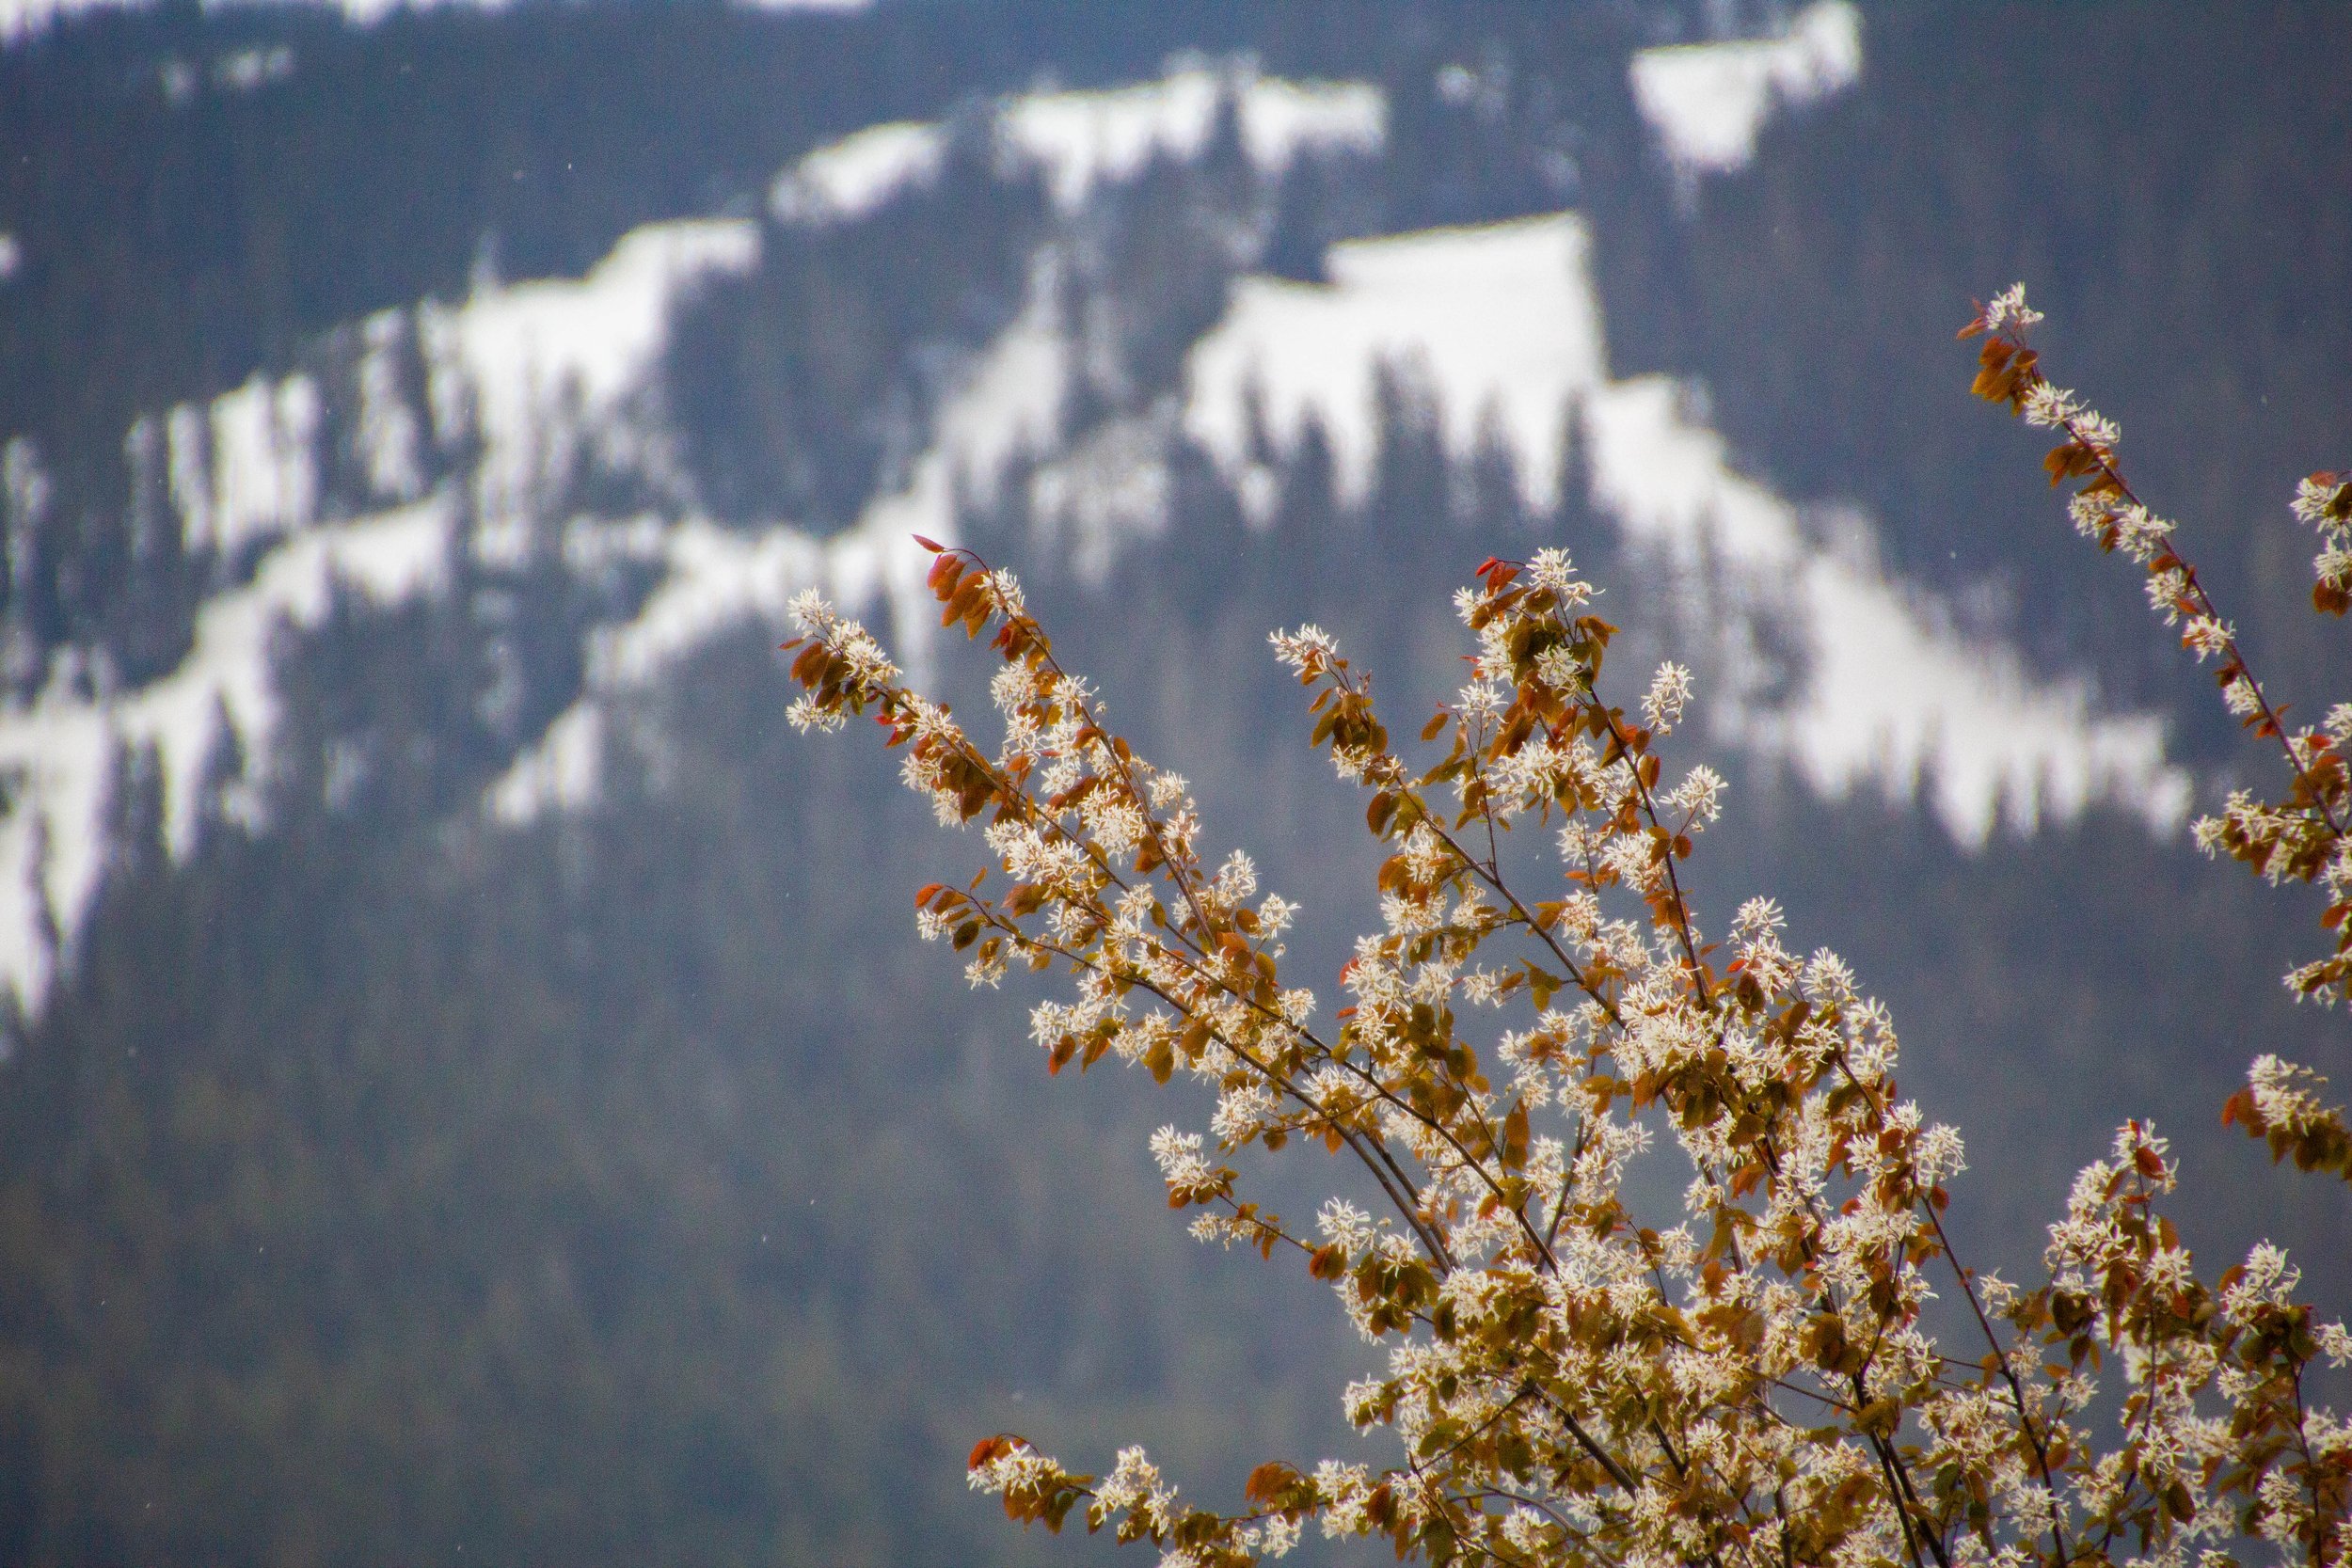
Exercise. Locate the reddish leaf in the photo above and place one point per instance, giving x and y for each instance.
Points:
(989, 1449)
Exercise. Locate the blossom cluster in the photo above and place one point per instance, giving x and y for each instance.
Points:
(1748, 1380)
(2324, 501)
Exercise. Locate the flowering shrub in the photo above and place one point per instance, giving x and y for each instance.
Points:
(1747, 1382)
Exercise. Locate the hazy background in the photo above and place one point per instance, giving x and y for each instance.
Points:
(471, 1091)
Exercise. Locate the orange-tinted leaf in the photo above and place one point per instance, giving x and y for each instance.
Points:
(1268, 1482)
(1515, 1136)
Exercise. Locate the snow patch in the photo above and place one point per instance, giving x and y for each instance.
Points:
(850, 179)
(1083, 139)
(1499, 328)
(1492, 326)
(57, 754)
(1708, 101)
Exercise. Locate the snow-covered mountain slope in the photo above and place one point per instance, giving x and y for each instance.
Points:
(1499, 328)
(527, 380)
(466, 427)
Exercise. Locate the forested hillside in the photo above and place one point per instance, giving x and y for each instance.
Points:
(472, 1089)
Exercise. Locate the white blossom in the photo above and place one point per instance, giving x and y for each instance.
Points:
(2008, 312)
(1669, 689)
